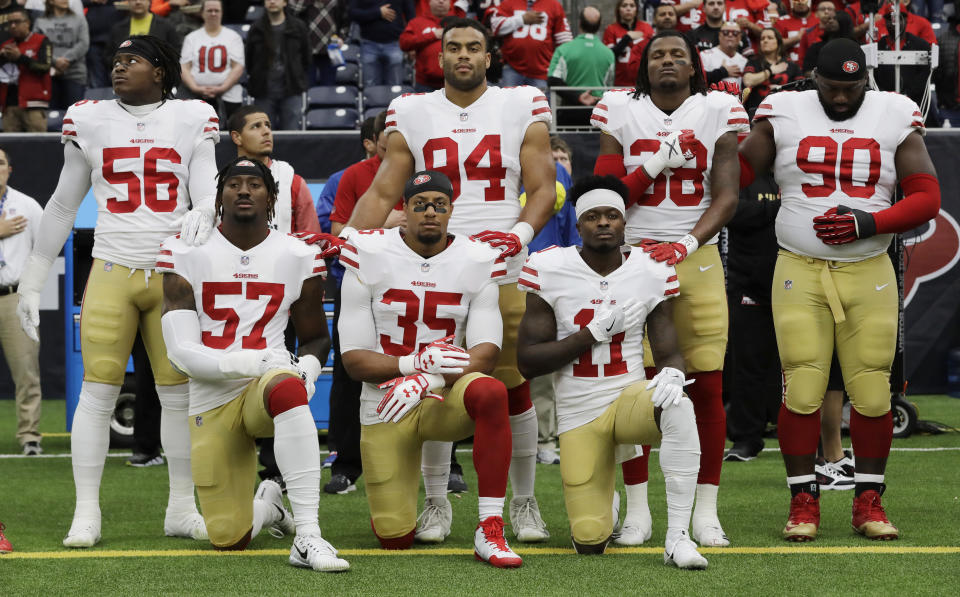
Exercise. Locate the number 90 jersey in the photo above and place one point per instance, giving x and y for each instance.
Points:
(139, 171)
(822, 163)
(673, 204)
(477, 147)
(243, 298)
(587, 386)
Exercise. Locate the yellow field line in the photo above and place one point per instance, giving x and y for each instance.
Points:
(450, 551)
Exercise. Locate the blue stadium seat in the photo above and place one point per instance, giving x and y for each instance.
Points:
(340, 96)
(372, 112)
(99, 93)
(381, 95)
(254, 12)
(243, 30)
(348, 74)
(54, 121)
(351, 52)
(332, 118)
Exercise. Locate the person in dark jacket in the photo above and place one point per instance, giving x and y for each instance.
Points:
(381, 23)
(278, 57)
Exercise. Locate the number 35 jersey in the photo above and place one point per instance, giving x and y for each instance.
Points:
(585, 387)
(243, 298)
(822, 163)
(139, 171)
(673, 204)
(478, 148)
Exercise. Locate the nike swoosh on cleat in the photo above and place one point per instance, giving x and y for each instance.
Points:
(879, 287)
(704, 268)
(303, 553)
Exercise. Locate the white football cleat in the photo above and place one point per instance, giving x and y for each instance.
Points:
(633, 533)
(489, 545)
(188, 525)
(681, 552)
(84, 532)
(270, 492)
(709, 533)
(315, 552)
(526, 521)
(433, 524)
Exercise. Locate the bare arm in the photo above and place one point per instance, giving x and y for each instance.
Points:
(759, 148)
(374, 205)
(235, 74)
(539, 176)
(663, 337)
(538, 350)
(752, 79)
(310, 321)
(724, 189)
(912, 157)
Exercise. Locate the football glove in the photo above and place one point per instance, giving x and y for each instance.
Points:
(329, 244)
(667, 387)
(403, 393)
(509, 243)
(726, 87)
(841, 225)
(672, 253)
(31, 285)
(439, 357)
(197, 226)
(254, 363)
(673, 153)
(309, 368)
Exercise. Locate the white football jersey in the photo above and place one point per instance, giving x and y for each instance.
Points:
(139, 171)
(673, 204)
(283, 210)
(560, 276)
(417, 300)
(822, 163)
(714, 58)
(243, 298)
(210, 57)
(478, 148)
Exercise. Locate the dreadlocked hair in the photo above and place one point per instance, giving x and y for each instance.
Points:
(698, 82)
(268, 181)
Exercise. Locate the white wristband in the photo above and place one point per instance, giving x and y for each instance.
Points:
(524, 232)
(653, 166)
(690, 242)
(310, 365)
(405, 365)
(435, 381)
(346, 231)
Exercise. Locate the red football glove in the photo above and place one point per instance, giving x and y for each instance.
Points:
(403, 393)
(508, 242)
(726, 87)
(841, 225)
(672, 253)
(328, 243)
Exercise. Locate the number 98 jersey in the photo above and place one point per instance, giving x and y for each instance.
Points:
(139, 171)
(673, 204)
(822, 163)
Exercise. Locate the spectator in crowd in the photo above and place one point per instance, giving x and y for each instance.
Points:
(826, 12)
(67, 31)
(531, 30)
(422, 36)
(932, 10)
(767, 71)
(211, 61)
(583, 62)
(913, 77)
(724, 62)
(627, 37)
(381, 23)
(947, 75)
(915, 24)
(101, 17)
(458, 8)
(184, 15)
(793, 26)
(19, 224)
(707, 36)
(323, 19)
(664, 17)
(38, 7)
(835, 25)
(6, 8)
(368, 140)
(142, 22)
(277, 59)
(26, 59)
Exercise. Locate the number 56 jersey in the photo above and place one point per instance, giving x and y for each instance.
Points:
(139, 171)
(822, 163)
(585, 387)
(243, 298)
(673, 204)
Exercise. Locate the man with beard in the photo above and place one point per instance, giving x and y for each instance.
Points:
(488, 141)
(793, 26)
(837, 153)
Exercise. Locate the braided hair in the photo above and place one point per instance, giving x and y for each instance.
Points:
(698, 82)
(264, 173)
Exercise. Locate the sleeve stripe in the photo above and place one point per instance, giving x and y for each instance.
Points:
(348, 261)
(738, 121)
(391, 112)
(70, 120)
(318, 257)
(530, 271)
(349, 247)
(738, 109)
(917, 123)
(758, 116)
(319, 270)
(528, 284)
(672, 278)
(210, 129)
(214, 119)
(598, 118)
(540, 111)
(164, 264)
(601, 106)
(765, 107)
(390, 123)
(71, 133)
(166, 252)
(671, 291)
(499, 273)
(540, 98)
(915, 114)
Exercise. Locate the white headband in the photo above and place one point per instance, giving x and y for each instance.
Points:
(600, 198)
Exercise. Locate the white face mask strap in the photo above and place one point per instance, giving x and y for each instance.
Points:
(600, 198)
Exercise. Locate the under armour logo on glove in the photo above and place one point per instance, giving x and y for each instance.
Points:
(403, 393)
(439, 357)
(841, 225)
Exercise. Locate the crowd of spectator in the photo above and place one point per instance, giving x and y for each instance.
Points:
(271, 52)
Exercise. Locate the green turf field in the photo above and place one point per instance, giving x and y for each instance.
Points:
(36, 504)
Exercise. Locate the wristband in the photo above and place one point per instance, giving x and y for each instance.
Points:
(690, 242)
(524, 232)
(405, 365)
(346, 231)
(435, 381)
(310, 365)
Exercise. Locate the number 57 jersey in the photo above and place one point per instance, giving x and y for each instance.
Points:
(575, 292)
(139, 171)
(673, 204)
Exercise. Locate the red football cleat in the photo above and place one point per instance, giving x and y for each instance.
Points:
(5, 546)
(804, 519)
(491, 546)
(870, 520)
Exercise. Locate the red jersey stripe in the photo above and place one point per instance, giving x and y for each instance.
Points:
(165, 264)
(540, 111)
(348, 261)
(738, 121)
(598, 118)
(671, 291)
(528, 284)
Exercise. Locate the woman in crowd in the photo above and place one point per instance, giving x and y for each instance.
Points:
(768, 70)
(627, 37)
(67, 31)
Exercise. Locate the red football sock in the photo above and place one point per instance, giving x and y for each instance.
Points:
(486, 401)
(635, 470)
(798, 434)
(871, 436)
(707, 396)
(518, 399)
(286, 395)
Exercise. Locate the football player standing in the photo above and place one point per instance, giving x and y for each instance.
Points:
(675, 147)
(148, 158)
(837, 153)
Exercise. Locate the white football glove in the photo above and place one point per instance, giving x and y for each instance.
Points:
(608, 321)
(438, 357)
(403, 393)
(309, 368)
(634, 313)
(31, 285)
(254, 363)
(670, 155)
(669, 387)
(197, 226)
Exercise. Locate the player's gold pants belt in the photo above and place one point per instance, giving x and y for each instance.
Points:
(826, 279)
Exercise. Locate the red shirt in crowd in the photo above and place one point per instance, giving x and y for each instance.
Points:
(625, 69)
(733, 10)
(787, 26)
(355, 181)
(303, 217)
(916, 25)
(811, 36)
(529, 48)
(419, 37)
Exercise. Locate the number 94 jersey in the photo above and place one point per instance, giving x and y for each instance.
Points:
(139, 171)
(673, 204)
(585, 387)
(822, 163)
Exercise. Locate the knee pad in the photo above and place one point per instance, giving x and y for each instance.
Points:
(404, 541)
(486, 396)
(224, 534)
(105, 369)
(174, 397)
(591, 531)
(805, 387)
(287, 394)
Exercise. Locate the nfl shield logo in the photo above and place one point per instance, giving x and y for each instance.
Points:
(141, 126)
(107, 267)
(199, 420)
(667, 121)
(463, 116)
(787, 284)
(424, 267)
(604, 285)
(244, 260)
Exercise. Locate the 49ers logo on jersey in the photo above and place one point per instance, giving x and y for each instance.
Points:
(850, 66)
